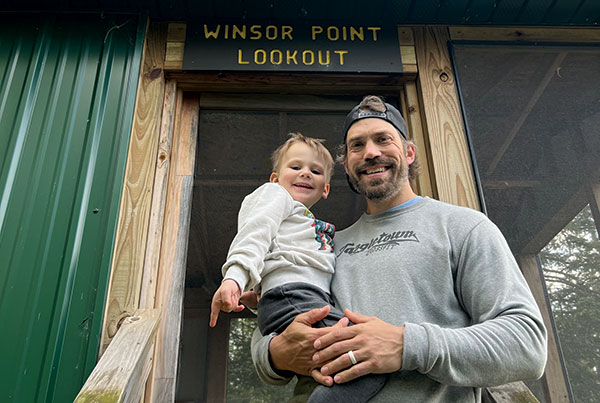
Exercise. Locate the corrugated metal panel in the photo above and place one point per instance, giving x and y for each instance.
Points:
(67, 93)
(455, 12)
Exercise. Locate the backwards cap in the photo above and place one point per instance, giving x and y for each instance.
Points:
(391, 115)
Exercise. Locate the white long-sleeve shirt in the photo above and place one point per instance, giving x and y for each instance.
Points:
(279, 241)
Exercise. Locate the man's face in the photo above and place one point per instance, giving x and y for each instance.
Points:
(376, 161)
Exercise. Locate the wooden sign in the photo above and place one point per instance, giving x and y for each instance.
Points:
(304, 47)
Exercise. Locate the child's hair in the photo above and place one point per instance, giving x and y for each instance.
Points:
(315, 144)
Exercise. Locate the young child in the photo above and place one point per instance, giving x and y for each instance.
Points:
(282, 251)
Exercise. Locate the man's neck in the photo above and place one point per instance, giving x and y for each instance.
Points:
(377, 206)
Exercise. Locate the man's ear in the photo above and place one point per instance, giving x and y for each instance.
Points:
(346, 165)
(273, 178)
(325, 192)
(410, 153)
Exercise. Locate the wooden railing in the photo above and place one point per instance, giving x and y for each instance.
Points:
(516, 392)
(121, 373)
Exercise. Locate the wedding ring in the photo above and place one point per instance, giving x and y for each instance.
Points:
(352, 357)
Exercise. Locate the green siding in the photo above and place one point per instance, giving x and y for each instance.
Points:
(67, 94)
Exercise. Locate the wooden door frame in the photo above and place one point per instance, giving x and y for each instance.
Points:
(148, 265)
(150, 250)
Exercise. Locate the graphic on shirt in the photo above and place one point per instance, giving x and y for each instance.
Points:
(324, 234)
(382, 242)
(323, 230)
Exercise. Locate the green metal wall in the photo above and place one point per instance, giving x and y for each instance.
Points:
(67, 94)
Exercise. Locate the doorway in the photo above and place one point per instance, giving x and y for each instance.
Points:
(236, 135)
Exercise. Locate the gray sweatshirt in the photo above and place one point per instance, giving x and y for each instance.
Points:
(447, 274)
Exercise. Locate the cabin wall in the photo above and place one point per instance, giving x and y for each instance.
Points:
(67, 92)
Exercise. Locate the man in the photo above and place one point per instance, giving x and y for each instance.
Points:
(436, 295)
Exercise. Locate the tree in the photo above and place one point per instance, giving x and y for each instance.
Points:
(243, 385)
(571, 266)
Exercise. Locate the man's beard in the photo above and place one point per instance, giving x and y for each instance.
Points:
(380, 189)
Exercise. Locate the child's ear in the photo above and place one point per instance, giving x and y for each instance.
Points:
(325, 192)
(273, 178)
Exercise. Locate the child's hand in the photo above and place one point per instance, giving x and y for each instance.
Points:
(226, 299)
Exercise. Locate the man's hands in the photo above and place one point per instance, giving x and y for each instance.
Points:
(377, 345)
(293, 349)
(226, 299)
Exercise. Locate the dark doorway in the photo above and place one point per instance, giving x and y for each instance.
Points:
(237, 134)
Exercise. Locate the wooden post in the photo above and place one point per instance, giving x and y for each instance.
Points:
(451, 159)
(172, 100)
(216, 361)
(173, 253)
(554, 379)
(414, 120)
(595, 205)
(132, 227)
(121, 373)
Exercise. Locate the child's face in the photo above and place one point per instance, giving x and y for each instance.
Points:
(302, 174)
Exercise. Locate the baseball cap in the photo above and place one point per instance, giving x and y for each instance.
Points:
(391, 115)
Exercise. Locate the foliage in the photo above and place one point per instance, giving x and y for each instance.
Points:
(243, 385)
(571, 266)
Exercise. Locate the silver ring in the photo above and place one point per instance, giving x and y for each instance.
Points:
(352, 357)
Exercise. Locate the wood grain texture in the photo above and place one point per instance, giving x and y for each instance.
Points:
(450, 156)
(175, 46)
(407, 54)
(405, 36)
(289, 83)
(173, 253)
(159, 196)
(121, 373)
(554, 379)
(414, 120)
(525, 34)
(132, 228)
(510, 392)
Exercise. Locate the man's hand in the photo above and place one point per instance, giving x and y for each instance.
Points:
(293, 349)
(226, 299)
(250, 299)
(377, 346)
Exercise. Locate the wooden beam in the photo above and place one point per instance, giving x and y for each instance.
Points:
(556, 223)
(121, 373)
(425, 181)
(535, 97)
(173, 253)
(595, 205)
(290, 83)
(510, 184)
(525, 34)
(159, 196)
(274, 102)
(451, 160)
(554, 379)
(510, 392)
(175, 46)
(216, 361)
(132, 227)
